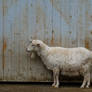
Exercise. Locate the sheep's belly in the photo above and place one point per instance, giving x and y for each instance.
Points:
(70, 73)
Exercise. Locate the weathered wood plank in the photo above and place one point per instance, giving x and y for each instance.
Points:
(8, 33)
(23, 39)
(1, 40)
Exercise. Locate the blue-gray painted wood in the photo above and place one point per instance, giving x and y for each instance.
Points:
(66, 23)
(1, 40)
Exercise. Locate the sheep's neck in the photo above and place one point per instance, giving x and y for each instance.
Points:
(43, 54)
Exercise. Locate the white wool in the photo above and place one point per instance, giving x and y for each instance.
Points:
(67, 59)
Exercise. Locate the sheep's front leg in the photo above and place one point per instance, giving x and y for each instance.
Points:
(56, 77)
(57, 80)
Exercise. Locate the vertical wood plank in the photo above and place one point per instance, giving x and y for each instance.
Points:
(8, 32)
(81, 23)
(23, 30)
(56, 25)
(73, 17)
(1, 40)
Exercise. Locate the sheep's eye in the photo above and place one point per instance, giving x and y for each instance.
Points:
(33, 45)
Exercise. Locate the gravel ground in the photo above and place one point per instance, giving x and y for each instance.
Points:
(41, 87)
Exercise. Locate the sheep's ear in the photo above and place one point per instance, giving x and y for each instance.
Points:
(38, 45)
(30, 40)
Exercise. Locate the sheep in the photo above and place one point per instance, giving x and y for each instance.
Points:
(67, 61)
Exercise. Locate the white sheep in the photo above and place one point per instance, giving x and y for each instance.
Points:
(67, 61)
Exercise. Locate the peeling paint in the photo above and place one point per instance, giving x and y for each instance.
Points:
(4, 45)
(87, 43)
(91, 32)
(3, 51)
(52, 39)
(31, 5)
(70, 32)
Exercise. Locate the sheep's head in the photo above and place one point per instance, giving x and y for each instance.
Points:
(34, 46)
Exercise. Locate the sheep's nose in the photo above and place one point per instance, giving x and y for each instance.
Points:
(28, 50)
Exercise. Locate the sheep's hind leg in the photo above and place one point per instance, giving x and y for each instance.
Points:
(86, 80)
(83, 84)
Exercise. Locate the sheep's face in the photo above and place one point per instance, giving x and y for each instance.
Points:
(34, 46)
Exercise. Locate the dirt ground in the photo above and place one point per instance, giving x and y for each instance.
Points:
(41, 87)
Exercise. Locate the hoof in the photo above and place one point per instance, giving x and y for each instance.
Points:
(82, 87)
(56, 86)
(53, 85)
(87, 86)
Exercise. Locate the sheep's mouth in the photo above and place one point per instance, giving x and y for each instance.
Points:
(29, 53)
(27, 50)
